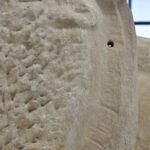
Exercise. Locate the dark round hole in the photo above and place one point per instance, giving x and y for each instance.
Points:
(110, 44)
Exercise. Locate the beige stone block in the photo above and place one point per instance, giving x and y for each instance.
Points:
(68, 75)
(143, 138)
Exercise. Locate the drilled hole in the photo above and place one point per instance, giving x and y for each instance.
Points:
(110, 44)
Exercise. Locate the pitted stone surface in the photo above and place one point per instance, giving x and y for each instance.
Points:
(61, 86)
(43, 72)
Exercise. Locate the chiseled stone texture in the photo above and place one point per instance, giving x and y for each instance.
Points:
(143, 138)
(61, 86)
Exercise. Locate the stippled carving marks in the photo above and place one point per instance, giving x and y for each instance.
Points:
(42, 75)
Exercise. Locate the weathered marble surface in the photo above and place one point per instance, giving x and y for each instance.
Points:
(143, 138)
(61, 86)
